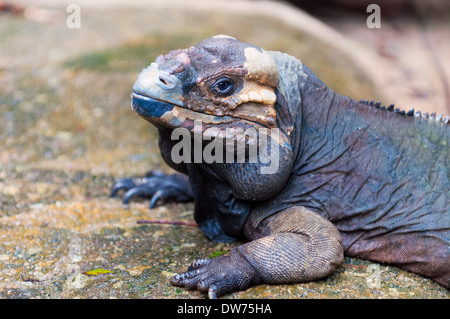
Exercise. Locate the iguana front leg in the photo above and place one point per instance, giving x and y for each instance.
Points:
(295, 245)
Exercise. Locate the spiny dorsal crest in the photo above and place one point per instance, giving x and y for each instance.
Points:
(417, 114)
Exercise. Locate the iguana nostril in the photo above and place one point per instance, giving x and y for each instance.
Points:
(165, 82)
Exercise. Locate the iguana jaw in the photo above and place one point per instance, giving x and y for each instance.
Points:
(170, 114)
(174, 116)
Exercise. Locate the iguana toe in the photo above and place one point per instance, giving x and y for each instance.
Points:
(217, 276)
(156, 186)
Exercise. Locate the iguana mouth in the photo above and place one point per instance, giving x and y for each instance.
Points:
(175, 116)
(171, 114)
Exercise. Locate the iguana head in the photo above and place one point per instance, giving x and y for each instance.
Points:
(220, 82)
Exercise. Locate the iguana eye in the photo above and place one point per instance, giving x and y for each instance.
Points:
(223, 86)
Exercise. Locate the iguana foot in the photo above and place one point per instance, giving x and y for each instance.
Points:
(218, 276)
(155, 186)
(296, 245)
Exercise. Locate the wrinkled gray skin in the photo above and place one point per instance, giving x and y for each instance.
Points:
(354, 178)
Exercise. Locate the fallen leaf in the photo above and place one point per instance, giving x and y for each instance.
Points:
(98, 271)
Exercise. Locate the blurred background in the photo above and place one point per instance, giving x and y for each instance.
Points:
(67, 130)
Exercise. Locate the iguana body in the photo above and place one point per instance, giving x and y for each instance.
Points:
(353, 178)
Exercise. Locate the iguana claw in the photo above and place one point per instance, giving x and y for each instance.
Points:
(154, 186)
(218, 276)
